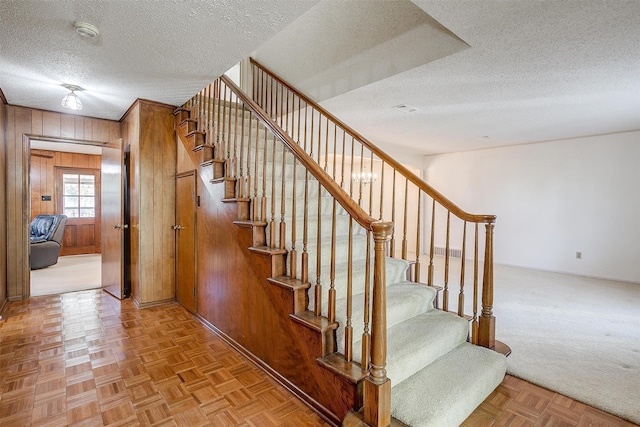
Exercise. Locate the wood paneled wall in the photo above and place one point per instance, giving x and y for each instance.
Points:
(149, 132)
(21, 123)
(43, 180)
(3, 210)
(234, 296)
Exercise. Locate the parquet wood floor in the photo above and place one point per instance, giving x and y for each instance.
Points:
(87, 359)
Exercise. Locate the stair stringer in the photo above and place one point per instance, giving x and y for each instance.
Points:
(236, 299)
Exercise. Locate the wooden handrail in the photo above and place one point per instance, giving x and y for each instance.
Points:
(422, 185)
(341, 196)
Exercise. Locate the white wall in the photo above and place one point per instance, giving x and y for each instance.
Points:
(554, 199)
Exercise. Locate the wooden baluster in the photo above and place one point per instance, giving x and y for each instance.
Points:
(210, 113)
(392, 248)
(371, 184)
(299, 113)
(200, 125)
(348, 329)
(219, 148)
(272, 223)
(344, 140)
(381, 190)
(293, 254)
(286, 112)
(474, 322)
(431, 245)
(326, 145)
(487, 329)
(283, 225)
(377, 387)
(263, 203)
(445, 292)
(311, 134)
(318, 288)
(207, 114)
(462, 264)
(352, 173)
(254, 83)
(278, 118)
(416, 274)
(235, 140)
(305, 254)
(271, 109)
(254, 202)
(202, 121)
(319, 138)
(335, 145)
(332, 274)
(247, 195)
(228, 164)
(404, 221)
(361, 170)
(366, 336)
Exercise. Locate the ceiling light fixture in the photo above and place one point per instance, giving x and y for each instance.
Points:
(71, 100)
(364, 177)
(86, 30)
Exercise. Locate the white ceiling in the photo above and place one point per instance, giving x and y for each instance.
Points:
(516, 71)
(160, 50)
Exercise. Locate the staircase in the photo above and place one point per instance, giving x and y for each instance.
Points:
(298, 180)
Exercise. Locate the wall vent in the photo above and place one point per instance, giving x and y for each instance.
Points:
(453, 253)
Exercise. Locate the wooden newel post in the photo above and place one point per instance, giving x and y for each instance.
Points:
(377, 387)
(487, 329)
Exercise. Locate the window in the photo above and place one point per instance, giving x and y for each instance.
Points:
(79, 195)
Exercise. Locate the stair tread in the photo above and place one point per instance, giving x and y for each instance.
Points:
(289, 283)
(352, 371)
(445, 392)
(317, 323)
(420, 340)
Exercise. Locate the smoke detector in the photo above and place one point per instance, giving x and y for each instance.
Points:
(86, 30)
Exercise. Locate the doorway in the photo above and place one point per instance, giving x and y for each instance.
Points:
(64, 178)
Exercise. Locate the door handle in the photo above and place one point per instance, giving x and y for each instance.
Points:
(178, 227)
(116, 227)
(121, 227)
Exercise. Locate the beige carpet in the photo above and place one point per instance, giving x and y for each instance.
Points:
(71, 273)
(578, 336)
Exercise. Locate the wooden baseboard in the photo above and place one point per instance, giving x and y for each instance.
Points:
(3, 305)
(322, 411)
(154, 303)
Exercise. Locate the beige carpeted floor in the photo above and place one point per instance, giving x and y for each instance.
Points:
(71, 273)
(578, 336)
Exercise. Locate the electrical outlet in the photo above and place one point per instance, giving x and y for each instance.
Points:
(578, 255)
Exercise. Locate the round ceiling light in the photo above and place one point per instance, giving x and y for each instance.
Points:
(86, 30)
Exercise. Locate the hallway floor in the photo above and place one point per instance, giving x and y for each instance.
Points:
(85, 358)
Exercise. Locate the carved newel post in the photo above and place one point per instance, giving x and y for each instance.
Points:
(487, 327)
(377, 387)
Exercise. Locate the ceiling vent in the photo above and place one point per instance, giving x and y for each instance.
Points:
(405, 108)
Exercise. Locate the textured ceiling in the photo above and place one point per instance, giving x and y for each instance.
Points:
(160, 50)
(339, 46)
(534, 71)
(529, 70)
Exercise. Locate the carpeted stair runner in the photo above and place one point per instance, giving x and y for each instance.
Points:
(437, 378)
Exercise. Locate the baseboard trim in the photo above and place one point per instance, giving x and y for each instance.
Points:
(320, 409)
(154, 303)
(3, 305)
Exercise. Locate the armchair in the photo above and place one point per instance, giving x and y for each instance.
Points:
(46, 233)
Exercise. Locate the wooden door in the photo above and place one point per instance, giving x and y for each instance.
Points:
(113, 226)
(185, 240)
(78, 197)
